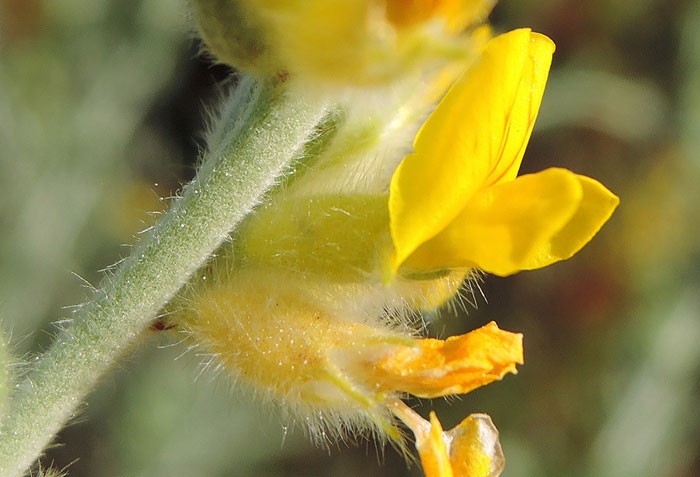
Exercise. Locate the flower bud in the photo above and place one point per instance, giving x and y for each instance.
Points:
(338, 41)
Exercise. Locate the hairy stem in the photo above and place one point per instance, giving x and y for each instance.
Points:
(260, 130)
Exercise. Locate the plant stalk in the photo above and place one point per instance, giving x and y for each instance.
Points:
(260, 131)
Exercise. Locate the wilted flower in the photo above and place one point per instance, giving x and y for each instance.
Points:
(327, 361)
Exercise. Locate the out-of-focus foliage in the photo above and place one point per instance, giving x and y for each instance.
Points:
(5, 376)
(77, 81)
(101, 107)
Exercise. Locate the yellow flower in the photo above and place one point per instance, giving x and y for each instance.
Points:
(313, 302)
(455, 201)
(338, 41)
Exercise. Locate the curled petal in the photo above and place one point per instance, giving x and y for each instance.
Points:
(457, 365)
(528, 223)
(476, 137)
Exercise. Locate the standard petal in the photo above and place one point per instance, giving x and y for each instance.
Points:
(513, 226)
(476, 137)
(457, 365)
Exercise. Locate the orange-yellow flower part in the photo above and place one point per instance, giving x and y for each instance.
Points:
(455, 202)
(458, 13)
(469, 450)
(433, 450)
(472, 449)
(456, 365)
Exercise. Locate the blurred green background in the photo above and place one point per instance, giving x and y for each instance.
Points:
(101, 112)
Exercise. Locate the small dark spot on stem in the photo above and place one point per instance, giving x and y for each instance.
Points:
(161, 325)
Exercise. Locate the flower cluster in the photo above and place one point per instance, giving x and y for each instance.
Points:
(313, 304)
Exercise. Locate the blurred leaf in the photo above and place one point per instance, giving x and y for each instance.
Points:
(71, 98)
(689, 104)
(4, 374)
(624, 108)
(652, 429)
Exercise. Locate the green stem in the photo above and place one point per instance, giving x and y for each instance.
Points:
(261, 129)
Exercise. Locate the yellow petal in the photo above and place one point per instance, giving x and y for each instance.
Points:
(433, 450)
(501, 228)
(528, 223)
(596, 207)
(476, 137)
(457, 365)
(474, 448)
(471, 449)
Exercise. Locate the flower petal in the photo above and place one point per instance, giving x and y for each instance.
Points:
(433, 450)
(457, 365)
(528, 223)
(471, 449)
(476, 137)
(475, 450)
(597, 205)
